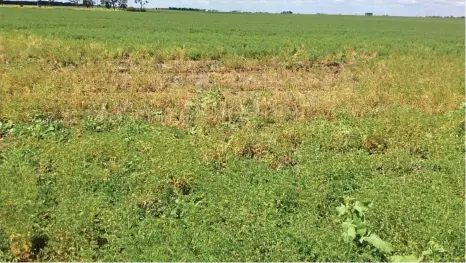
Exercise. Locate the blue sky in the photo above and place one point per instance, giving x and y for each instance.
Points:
(390, 7)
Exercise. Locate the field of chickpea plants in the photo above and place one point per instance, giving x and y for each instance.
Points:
(193, 136)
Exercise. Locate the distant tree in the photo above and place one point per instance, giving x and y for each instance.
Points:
(109, 3)
(369, 14)
(88, 3)
(123, 4)
(50, 2)
(113, 3)
(75, 2)
(1, 2)
(141, 3)
(106, 3)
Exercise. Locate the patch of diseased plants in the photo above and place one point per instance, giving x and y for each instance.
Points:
(131, 85)
(278, 150)
(182, 185)
(334, 66)
(375, 144)
(253, 150)
(286, 160)
(20, 247)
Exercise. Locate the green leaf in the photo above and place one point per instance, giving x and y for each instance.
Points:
(378, 243)
(361, 231)
(360, 224)
(362, 207)
(434, 247)
(359, 221)
(349, 232)
(399, 258)
(341, 210)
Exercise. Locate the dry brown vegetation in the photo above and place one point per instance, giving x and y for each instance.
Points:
(181, 92)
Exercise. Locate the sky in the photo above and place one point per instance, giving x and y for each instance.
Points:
(351, 7)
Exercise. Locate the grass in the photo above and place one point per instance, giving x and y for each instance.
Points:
(121, 139)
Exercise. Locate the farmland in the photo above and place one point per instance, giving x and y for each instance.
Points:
(191, 136)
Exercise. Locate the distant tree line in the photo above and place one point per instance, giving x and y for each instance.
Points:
(211, 10)
(41, 3)
(121, 4)
(81, 3)
(187, 9)
(247, 12)
(462, 17)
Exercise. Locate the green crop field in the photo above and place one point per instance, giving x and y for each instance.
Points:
(193, 136)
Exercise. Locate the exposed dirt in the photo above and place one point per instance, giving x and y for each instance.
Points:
(209, 66)
(206, 74)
